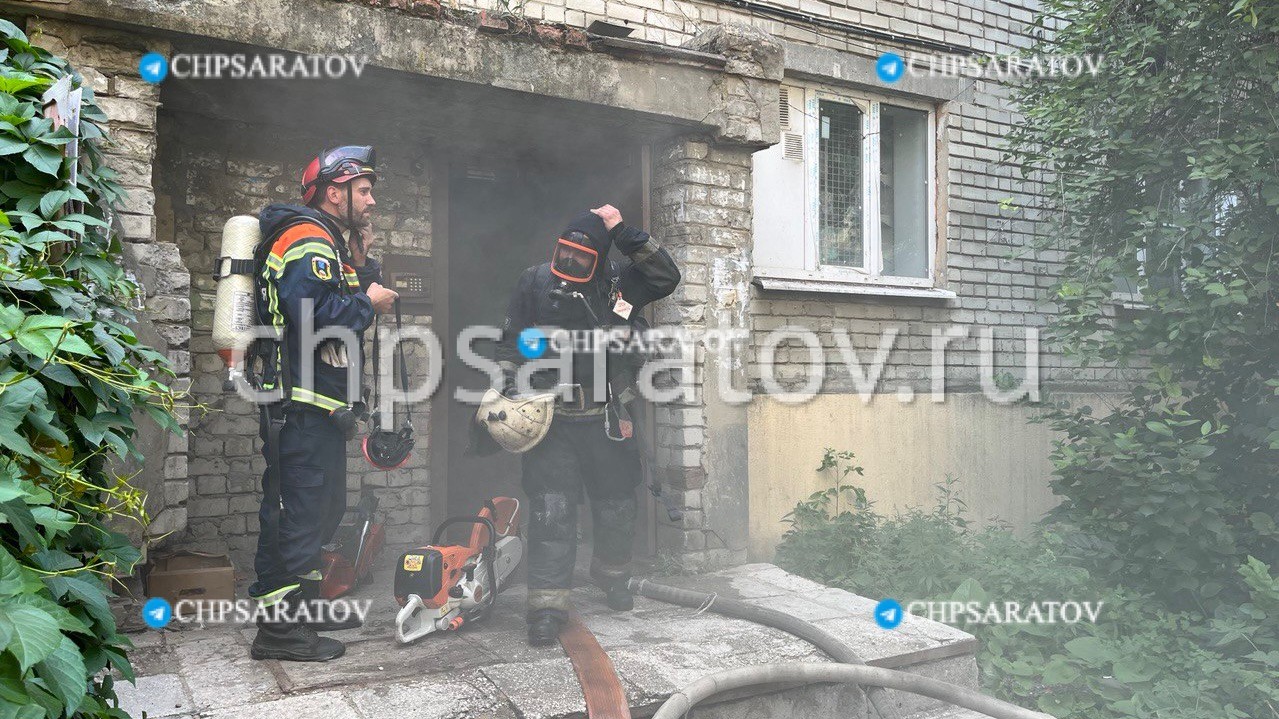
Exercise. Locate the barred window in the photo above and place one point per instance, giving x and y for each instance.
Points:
(848, 195)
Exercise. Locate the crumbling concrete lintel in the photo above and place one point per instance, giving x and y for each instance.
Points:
(753, 72)
(732, 101)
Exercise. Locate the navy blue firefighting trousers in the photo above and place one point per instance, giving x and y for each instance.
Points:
(312, 499)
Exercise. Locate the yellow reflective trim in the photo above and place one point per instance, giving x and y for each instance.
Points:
(275, 597)
(302, 395)
(302, 249)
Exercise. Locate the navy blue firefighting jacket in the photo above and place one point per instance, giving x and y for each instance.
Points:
(308, 266)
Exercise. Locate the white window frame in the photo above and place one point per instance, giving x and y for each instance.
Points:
(871, 276)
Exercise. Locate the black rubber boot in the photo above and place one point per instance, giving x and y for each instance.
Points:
(618, 597)
(288, 641)
(322, 619)
(544, 627)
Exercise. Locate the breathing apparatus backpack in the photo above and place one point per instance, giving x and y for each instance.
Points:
(250, 354)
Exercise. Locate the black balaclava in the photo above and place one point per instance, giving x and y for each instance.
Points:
(581, 261)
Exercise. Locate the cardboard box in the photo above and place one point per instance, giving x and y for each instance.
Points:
(192, 575)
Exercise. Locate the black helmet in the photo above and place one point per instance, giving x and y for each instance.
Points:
(386, 449)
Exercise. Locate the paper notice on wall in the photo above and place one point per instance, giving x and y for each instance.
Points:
(61, 104)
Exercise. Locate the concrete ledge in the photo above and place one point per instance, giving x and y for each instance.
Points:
(488, 669)
(845, 68)
(665, 85)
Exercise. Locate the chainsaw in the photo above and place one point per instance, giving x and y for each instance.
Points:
(442, 587)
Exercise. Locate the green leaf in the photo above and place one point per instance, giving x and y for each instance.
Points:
(11, 688)
(53, 519)
(54, 560)
(969, 590)
(6, 628)
(64, 672)
(113, 349)
(52, 202)
(44, 158)
(10, 576)
(12, 146)
(1090, 649)
(67, 622)
(1135, 671)
(12, 32)
(16, 514)
(74, 344)
(35, 635)
(87, 591)
(17, 83)
(1059, 672)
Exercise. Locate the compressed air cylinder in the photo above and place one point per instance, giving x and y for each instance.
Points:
(234, 314)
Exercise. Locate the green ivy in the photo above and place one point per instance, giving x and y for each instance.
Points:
(1162, 176)
(1141, 659)
(72, 378)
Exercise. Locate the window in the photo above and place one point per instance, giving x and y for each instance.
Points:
(1200, 220)
(847, 196)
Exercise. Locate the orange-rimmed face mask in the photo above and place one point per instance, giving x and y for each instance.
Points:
(573, 262)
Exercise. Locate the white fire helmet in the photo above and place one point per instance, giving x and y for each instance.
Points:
(516, 424)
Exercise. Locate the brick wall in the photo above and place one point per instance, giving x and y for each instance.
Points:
(990, 26)
(701, 201)
(208, 171)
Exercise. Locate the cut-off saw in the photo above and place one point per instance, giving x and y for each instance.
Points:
(442, 587)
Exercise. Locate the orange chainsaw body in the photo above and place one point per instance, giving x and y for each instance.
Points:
(442, 586)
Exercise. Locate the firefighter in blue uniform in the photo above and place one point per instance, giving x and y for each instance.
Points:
(590, 444)
(311, 275)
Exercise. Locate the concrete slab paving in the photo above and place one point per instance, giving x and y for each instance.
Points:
(220, 674)
(488, 670)
(161, 695)
(384, 660)
(539, 690)
(329, 705)
(455, 696)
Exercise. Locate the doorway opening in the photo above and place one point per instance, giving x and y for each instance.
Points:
(503, 216)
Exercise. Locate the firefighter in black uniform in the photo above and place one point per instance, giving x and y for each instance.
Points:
(590, 444)
(310, 270)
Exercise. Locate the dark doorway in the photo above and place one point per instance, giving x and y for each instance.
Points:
(503, 216)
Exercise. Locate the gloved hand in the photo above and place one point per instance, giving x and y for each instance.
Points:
(333, 354)
(628, 239)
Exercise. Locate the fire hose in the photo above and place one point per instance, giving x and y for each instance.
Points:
(850, 668)
(685, 699)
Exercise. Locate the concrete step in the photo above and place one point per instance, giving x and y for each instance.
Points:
(948, 712)
(489, 670)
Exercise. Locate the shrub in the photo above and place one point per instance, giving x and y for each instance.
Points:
(1159, 177)
(72, 377)
(1141, 658)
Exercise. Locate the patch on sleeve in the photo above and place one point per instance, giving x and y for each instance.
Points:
(322, 268)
